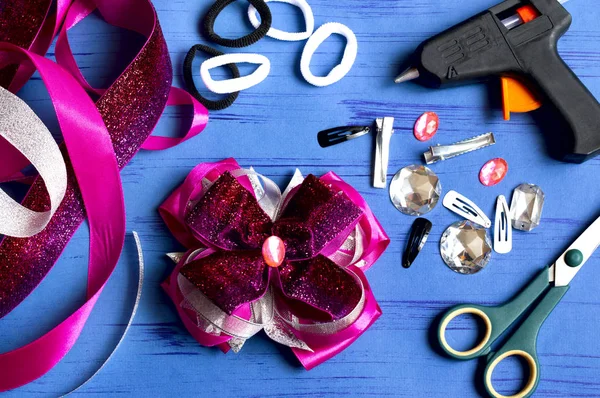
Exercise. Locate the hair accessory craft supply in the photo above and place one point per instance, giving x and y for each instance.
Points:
(419, 233)
(415, 190)
(442, 152)
(208, 24)
(493, 172)
(309, 21)
(426, 126)
(464, 207)
(337, 135)
(239, 83)
(502, 227)
(339, 71)
(213, 105)
(288, 263)
(526, 207)
(385, 130)
(465, 247)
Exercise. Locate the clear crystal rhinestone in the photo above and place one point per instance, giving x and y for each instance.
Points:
(415, 190)
(466, 247)
(526, 207)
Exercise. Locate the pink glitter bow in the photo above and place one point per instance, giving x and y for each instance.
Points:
(290, 264)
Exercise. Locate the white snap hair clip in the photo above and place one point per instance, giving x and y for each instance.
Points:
(339, 71)
(237, 84)
(309, 21)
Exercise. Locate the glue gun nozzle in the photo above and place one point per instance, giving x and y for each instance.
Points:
(408, 75)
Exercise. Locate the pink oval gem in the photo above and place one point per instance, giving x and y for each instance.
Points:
(493, 172)
(426, 126)
(273, 251)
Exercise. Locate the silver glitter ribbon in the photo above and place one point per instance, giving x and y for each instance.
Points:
(20, 126)
(268, 195)
(278, 323)
(351, 250)
(217, 320)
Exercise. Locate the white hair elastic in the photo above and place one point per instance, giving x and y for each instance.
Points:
(236, 84)
(339, 71)
(309, 21)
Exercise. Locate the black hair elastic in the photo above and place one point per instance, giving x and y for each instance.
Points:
(208, 24)
(188, 78)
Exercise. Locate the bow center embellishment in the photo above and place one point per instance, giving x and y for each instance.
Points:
(273, 251)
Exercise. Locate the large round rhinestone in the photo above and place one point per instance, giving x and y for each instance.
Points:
(465, 247)
(415, 190)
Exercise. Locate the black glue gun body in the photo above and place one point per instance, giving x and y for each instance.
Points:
(488, 45)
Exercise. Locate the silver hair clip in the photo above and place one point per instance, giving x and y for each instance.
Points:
(385, 129)
(443, 152)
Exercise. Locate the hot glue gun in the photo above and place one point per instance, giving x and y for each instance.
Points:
(517, 41)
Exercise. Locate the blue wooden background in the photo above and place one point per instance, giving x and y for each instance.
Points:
(273, 127)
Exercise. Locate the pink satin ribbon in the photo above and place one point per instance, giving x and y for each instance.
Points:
(97, 173)
(377, 239)
(144, 23)
(99, 138)
(324, 346)
(121, 17)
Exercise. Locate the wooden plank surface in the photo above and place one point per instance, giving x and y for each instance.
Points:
(273, 127)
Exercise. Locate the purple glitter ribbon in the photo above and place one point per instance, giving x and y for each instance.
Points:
(130, 108)
(20, 24)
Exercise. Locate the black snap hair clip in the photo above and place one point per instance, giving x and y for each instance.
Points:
(418, 236)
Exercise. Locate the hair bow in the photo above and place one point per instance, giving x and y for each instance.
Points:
(288, 263)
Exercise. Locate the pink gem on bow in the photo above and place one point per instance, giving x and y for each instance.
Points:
(289, 264)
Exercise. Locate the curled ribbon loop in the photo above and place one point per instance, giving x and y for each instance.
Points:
(226, 293)
(27, 133)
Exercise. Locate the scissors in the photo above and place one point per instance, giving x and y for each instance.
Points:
(547, 289)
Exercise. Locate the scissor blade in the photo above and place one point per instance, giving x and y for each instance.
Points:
(571, 261)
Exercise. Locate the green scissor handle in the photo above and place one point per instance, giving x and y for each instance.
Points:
(498, 319)
(523, 344)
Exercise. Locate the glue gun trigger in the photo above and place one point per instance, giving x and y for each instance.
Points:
(517, 97)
